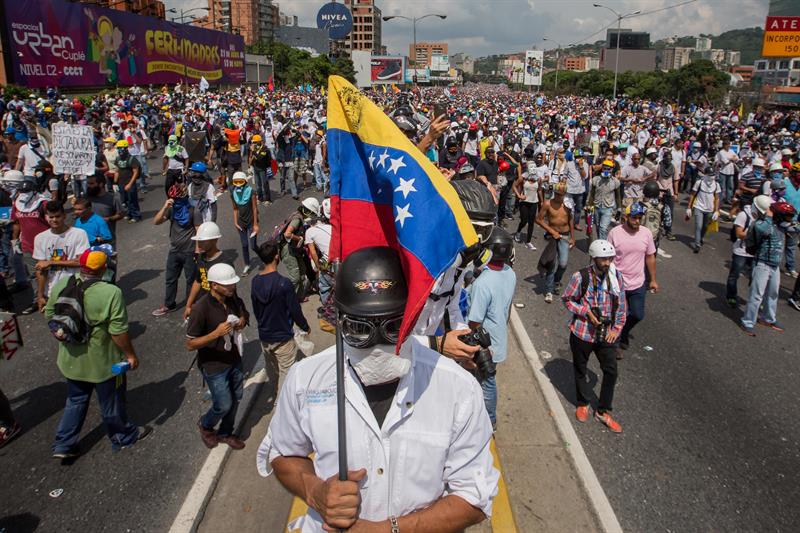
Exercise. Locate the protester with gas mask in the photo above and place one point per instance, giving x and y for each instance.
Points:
(245, 216)
(605, 197)
(28, 218)
(201, 194)
(434, 409)
(180, 257)
(176, 162)
(595, 296)
(126, 177)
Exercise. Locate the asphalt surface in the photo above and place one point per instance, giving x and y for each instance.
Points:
(136, 489)
(710, 442)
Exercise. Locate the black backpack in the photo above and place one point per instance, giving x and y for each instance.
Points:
(733, 236)
(68, 323)
(585, 280)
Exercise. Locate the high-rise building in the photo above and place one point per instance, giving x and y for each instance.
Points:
(366, 34)
(255, 20)
(733, 57)
(421, 56)
(676, 57)
(634, 50)
(149, 8)
(463, 62)
(702, 44)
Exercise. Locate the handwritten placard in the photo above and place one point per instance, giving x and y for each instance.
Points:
(73, 149)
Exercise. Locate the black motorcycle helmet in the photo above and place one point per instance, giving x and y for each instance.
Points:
(651, 190)
(477, 200)
(370, 283)
(501, 244)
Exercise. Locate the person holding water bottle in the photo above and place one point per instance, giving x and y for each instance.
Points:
(89, 366)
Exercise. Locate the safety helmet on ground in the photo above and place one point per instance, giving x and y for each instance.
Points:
(762, 203)
(310, 205)
(651, 190)
(370, 283)
(208, 231)
(256, 138)
(636, 209)
(501, 244)
(223, 274)
(198, 166)
(601, 248)
(122, 144)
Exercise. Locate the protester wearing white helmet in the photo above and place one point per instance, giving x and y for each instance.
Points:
(245, 215)
(318, 243)
(214, 330)
(208, 254)
(595, 296)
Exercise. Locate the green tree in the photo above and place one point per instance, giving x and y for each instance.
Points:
(293, 67)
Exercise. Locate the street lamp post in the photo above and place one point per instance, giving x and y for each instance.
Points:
(183, 13)
(619, 28)
(414, 21)
(558, 44)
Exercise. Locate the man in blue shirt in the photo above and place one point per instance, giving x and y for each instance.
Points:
(491, 294)
(277, 310)
(94, 225)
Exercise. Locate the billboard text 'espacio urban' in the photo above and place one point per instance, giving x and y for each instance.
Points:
(53, 42)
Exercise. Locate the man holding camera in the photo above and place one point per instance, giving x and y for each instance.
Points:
(491, 296)
(596, 298)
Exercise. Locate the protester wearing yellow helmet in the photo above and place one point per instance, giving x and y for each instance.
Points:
(260, 160)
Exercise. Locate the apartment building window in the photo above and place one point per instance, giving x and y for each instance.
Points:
(796, 64)
(784, 65)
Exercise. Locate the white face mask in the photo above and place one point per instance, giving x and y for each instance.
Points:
(379, 364)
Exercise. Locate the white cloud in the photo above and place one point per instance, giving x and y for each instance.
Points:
(482, 27)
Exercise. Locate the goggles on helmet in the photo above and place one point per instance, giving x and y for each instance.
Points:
(366, 332)
(483, 229)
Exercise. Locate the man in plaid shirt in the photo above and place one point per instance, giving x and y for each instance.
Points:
(596, 298)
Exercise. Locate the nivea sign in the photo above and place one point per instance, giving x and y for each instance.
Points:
(335, 18)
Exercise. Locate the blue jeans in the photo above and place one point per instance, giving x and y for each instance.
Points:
(262, 176)
(131, 198)
(726, 184)
(738, 264)
(556, 272)
(5, 248)
(247, 242)
(577, 199)
(177, 262)
(602, 219)
(791, 244)
(489, 387)
(111, 396)
(701, 222)
(635, 299)
(320, 179)
(226, 391)
(79, 187)
(325, 286)
(765, 284)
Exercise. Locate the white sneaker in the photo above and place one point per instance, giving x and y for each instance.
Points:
(530, 246)
(548, 297)
(793, 273)
(246, 271)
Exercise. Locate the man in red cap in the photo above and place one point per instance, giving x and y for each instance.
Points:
(87, 367)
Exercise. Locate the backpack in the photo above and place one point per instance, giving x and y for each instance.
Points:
(652, 218)
(751, 240)
(746, 226)
(278, 231)
(68, 323)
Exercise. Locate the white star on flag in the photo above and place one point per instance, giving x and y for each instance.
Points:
(403, 214)
(396, 164)
(406, 186)
(372, 160)
(382, 158)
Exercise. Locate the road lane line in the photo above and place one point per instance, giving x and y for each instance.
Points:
(597, 496)
(191, 512)
(502, 515)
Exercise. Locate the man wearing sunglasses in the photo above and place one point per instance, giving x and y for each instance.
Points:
(417, 431)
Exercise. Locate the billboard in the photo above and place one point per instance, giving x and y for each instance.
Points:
(361, 65)
(386, 69)
(63, 44)
(440, 62)
(336, 18)
(782, 29)
(423, 75)
(534, 59)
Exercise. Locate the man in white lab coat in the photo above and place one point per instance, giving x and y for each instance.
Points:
(417, 431)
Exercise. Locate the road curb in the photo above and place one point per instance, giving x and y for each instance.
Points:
(191, 512)
(594, 491)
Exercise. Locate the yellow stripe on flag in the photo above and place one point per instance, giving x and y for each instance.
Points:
(351, 111)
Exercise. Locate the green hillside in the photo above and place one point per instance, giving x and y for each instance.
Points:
(746, 40)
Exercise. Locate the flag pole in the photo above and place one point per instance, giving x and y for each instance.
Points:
(340, 399)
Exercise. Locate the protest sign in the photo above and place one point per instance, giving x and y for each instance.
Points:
(73, 149)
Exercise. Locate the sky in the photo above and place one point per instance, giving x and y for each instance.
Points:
(484, 27)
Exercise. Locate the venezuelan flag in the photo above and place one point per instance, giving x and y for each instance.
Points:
(385, 192)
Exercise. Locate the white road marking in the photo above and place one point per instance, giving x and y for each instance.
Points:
(143, 248)
(597, 496)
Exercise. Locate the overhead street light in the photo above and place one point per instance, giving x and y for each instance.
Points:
(184, 13)
(414, 21)
(619, 26)
(557, 51)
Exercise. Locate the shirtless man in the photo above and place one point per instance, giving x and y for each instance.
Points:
(556, 219)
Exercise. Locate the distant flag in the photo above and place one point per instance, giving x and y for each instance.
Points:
(741, 110)
(203, 84)
(270, 85)
(384, 88)
(395, 88)
(385, 192)
(309, 88)
(322, 91)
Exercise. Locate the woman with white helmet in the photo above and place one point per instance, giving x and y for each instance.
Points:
(595, 296)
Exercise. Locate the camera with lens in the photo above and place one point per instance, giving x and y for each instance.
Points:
(601, 330)
(483, 357)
